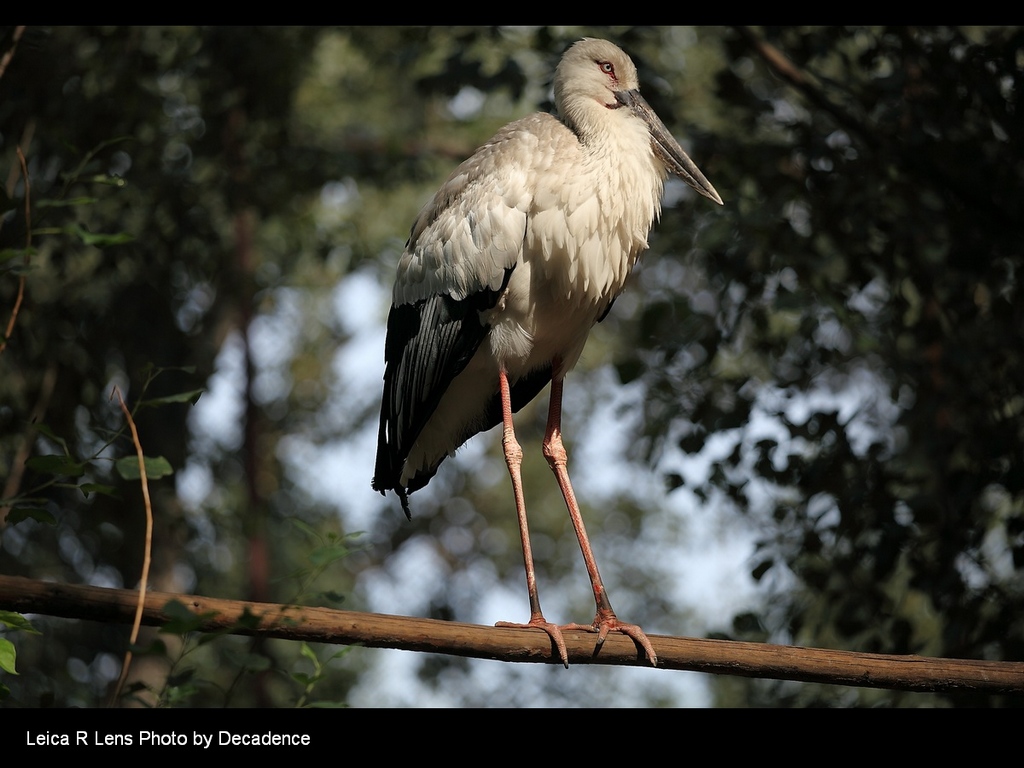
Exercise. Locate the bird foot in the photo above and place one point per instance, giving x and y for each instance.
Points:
(606, 622)
(537, 621)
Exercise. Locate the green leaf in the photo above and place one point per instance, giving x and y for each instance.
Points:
(6, 254)
(151, 371)
(208, 637)
(339, 653)
(182, 397)
(156, 467)
(178, 694)
(69, 201)
(182, 620)
(155, 648)
(306, 651)
(47, 432)
(18, 514)
(248, 620)
(106, 490)
(305, 527)
(17, 621)
(326, 555)
(110, 181)
(99, 240)
(56, 464)
(8, 653)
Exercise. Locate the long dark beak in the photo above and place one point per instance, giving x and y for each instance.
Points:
(666, 147)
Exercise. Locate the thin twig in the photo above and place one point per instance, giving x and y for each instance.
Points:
(147, 551)
(13, 482)
(12, 175)
(805, 84)
(28, 243)
(9, 54)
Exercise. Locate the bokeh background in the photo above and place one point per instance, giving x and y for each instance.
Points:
(802, 422)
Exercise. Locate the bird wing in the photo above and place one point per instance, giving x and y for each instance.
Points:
(461, 252)
(472, 230)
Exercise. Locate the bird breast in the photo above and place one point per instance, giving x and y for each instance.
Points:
(569, 217)
(591, 210)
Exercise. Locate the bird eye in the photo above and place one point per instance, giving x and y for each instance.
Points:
(607, 66)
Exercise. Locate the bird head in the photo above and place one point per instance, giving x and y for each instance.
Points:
(595, 76)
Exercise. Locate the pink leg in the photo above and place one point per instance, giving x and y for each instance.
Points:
(605, 621)
(514, 460)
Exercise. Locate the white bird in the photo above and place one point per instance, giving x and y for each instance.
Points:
(507, 268)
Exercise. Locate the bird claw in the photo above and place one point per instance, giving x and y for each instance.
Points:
(553, 630)
(602, 625)
(605, 623)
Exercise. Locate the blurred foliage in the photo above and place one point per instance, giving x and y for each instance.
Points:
(865, 301)
(848, 327)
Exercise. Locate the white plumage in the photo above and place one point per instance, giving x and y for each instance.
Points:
(507, 268)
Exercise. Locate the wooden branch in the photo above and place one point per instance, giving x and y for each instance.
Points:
(912, 673)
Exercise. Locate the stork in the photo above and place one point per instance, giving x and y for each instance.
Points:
(518, 254)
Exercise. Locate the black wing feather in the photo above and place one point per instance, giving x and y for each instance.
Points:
(428, 344)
